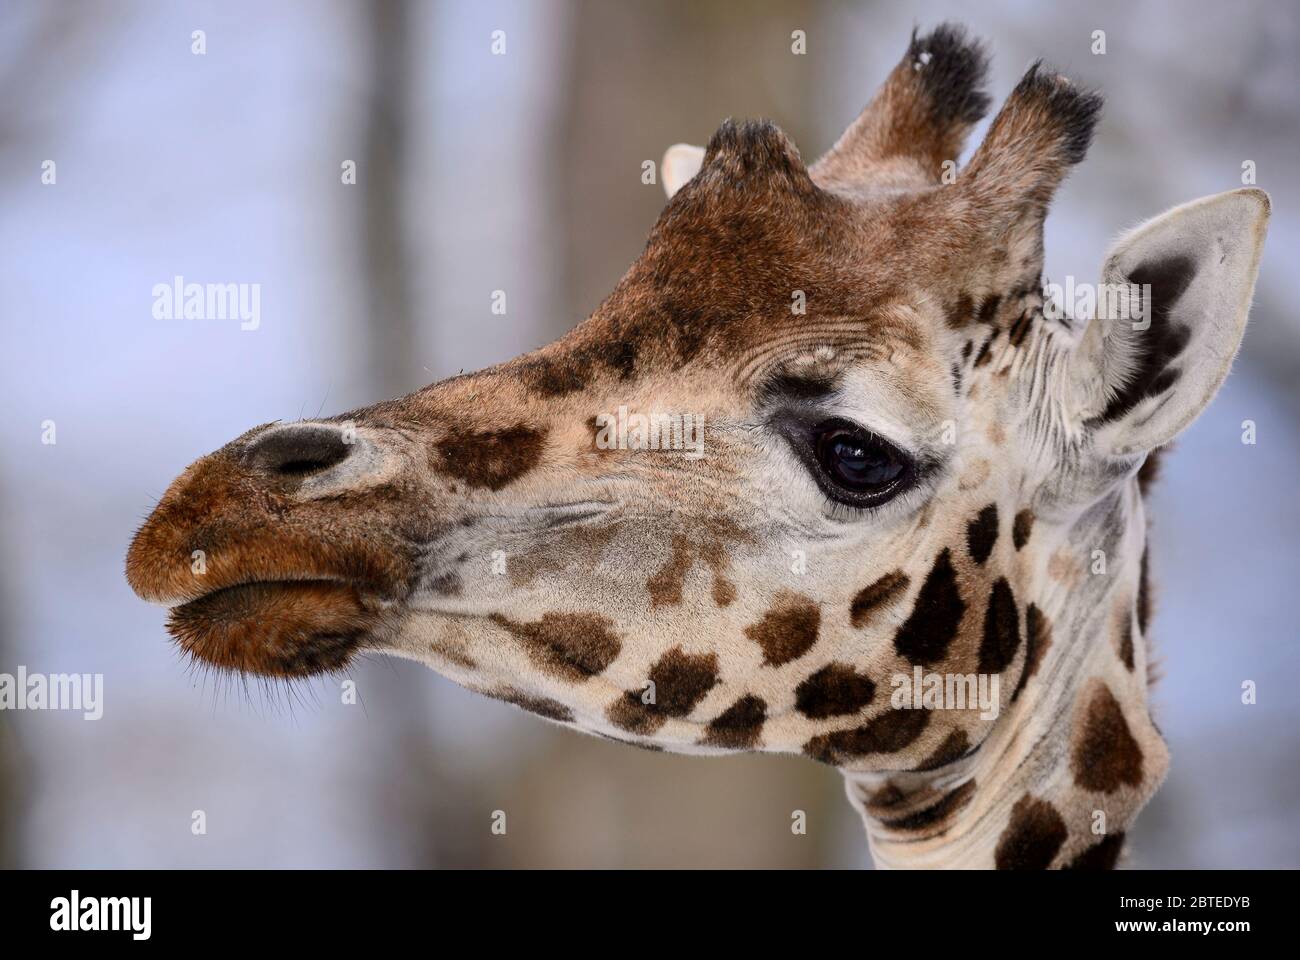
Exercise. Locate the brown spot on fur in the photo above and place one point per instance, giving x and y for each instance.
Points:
(560, 373)
(680, 682)
(488, 458)
(788, 630)
(997, 435)
(1038, 637)
(542, 706)
(1032, 838)
(665, 584)
(453, 653)
(887, 733)
(1105, 755)
(876, 595)
(1020, 328)
(571, 646)
(629, 713)
(714, 554)
(952, 749)
(933, 623)
(739, 726)
(1001, 629)
(988, 310)
(1022, 528)
(885, 800)
(834, 690)
(1144, 593)
(961, 312)
(1125, 641)
(555, 376)
(724, 592)
(936, 813)
(1100, 856)
(982, 533)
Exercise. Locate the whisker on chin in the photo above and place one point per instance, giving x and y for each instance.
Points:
(324, 399)
(267, 696)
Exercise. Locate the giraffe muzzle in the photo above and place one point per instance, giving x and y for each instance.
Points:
(275, 555)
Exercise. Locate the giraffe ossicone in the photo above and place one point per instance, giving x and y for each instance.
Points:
(909, 469)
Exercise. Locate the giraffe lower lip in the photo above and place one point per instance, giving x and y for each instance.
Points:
(281, 628)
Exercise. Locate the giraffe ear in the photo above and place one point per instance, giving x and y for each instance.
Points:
(1171, 312)
(681, 162)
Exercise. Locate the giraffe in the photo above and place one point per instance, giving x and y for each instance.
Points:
(914, 472)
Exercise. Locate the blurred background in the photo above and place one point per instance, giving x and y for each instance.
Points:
(522, 172)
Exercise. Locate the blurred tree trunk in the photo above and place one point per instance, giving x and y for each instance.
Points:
(9, 759)
(643, 76)
(401, 769)
(55, 36)
(389, 325)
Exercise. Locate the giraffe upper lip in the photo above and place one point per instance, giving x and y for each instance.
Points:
(170, 589)
(171, 565)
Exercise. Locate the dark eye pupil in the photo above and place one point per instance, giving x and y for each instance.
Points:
(857, 460)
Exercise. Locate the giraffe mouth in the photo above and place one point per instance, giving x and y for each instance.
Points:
(277, 628)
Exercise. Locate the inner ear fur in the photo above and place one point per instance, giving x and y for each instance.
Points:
(1171, 314)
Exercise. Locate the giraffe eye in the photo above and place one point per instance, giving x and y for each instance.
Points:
(858, 467)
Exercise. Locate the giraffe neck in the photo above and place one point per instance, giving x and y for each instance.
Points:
(1068, 764)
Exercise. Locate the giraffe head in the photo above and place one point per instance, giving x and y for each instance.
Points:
(823, 433)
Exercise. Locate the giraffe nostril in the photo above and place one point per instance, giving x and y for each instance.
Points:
(298, 450)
